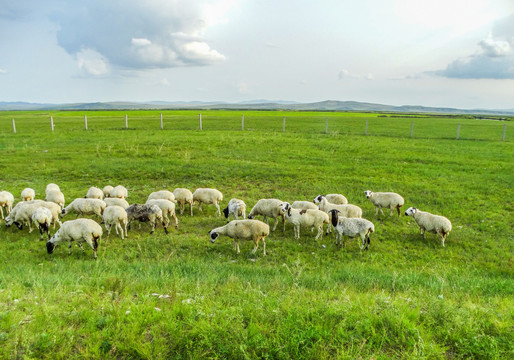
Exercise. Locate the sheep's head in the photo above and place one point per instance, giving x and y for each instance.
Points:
(318, 199)
(9, 221)
(63, 212)
(410, 211)
(285, 207)
(50, 246)
(368, 193)
(213, 235)
(225, 212)
(334, 214)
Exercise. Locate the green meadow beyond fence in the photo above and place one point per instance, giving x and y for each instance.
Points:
(458, 127)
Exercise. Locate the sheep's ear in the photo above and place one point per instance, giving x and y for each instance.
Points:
(288, 211)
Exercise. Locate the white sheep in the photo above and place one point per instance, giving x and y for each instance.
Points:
(145, 213)
(385, 200)
(54, 209)
(351, 227)
(95, 193)
(116, 216)
(168, 209)
(208, 196)
(52, 186)
(337, 199)
(346, 210)
(184, 196)
(269, 208)
(162, 194)
(119, 192)
(304, 205)
(107, 191)
(28, 194)
(85, 207)
(22, 215)
(55, 196)
(6, 201)
(42, 217)
(235, 207)
(243, 230)
(311, 218)
(79, 230)
(116, 201)
(426, 221)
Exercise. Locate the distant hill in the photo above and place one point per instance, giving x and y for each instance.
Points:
(328, 105)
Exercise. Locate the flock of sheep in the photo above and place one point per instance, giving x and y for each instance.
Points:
(111, 206)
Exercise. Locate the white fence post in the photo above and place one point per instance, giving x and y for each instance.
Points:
(85, 122)
(412, 129)
(126, 121)
(13, 126)
(458, 132)
(52, 123)
(200, 119)
(284, 124)
(504, 131)
(162, 124)
(242, 122)
(366, 131)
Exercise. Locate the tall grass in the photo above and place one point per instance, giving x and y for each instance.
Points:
(179, 296)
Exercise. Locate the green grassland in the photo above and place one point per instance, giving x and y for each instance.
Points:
(179, 296)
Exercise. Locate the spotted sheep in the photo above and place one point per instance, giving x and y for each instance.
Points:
(42, 217)
(168, 210)
(346, 210)
(146, 213)
(351, 227)
(235, 207)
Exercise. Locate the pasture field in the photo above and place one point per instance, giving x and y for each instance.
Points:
(178, 296)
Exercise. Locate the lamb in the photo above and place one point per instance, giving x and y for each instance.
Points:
(144, 213)
(116, 201)
(55, 196)
(304, 205)
(243, 230)
(107, 191)
(426, 221)
(346, 210)
(28, 194)
(162, 194)
(95, 193)
(312, 218)
(43, 218)
(351, 227)
(167, 207)
(235, 207)
(52, 186)
(183, 197)
(79, 230)
(385, 200)
(269, 208)
(337, 199)
(115, 216)
(85, 207)
(208, 196)
(6, 201)
(119, 192)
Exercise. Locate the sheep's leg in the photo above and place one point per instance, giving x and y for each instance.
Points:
(392, 209)
(218, 208)
(398, 209)
(191, 208)
(69, 248)
(125, 228)
(376, 210)
(40, 233)
(284, 225)
(237, 245)
(200, 207)
(108, 228)
(118, 226)
(176, 220)
(165, 228)
(381, 211)
(274, 225)
(30, 225)
(234, 245)
(244, 215)
(182, 206)
(443, 237)
(320, 233)
(2, 211)
(256, 243)
(264, 245)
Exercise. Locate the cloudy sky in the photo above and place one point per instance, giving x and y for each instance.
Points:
(451, 53)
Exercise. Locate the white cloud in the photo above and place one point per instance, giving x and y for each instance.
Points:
(201, 52)
(345, 74)
(495, 47)
(2, 71)
(92, 62)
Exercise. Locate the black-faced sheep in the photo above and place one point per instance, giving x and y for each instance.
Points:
(79, 230)
(235, 207)
(243, 230)
(351, 227)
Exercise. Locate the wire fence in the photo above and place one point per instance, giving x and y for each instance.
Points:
(332, 123)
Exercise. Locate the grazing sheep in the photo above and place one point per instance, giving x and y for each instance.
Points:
(119, 192)
(55, 196)
(28, 194)
(53, 207)
(79, 230)
(312, 218)
(346, 210)
(95, 193)
(426, 221)
(385, 200)
(42, 217)
(162, 194)
(107, 191)
(116, 216)
(6, 201)
(304, 205)
(51, 187)
(85, 207)
(235, 207)
(22, 215)
(269, 208)
(337, 199)
(243, 230)
(351, 227)
(183, 197)
(208, 196)
(145, 213)
(116, 201)
(167, 207)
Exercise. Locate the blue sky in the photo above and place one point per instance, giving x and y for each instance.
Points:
(452, 53)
